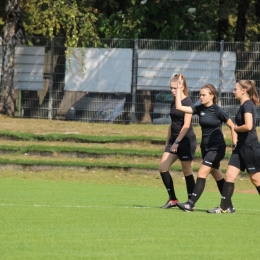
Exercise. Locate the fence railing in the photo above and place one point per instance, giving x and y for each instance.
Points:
(47, 85)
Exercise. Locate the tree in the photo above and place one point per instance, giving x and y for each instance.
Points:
(257, 13)
(13, 35)
(223, 23)
(64, 18)
(82, 22)
(240, 34)
(2, 15)
(161, 19)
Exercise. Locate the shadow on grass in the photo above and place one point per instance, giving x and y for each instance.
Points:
(152, 207)
(157, 207)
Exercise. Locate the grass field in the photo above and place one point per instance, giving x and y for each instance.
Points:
(97, 214)
(78, 212)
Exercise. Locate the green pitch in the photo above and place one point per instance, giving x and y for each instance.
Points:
(56, 219)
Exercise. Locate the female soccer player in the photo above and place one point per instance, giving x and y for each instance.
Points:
(213, 146)
(180, 144)
(246, 155)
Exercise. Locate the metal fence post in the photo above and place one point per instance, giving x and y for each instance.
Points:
(220, 87)
(134, 79)
(19, 102)
(51, 81)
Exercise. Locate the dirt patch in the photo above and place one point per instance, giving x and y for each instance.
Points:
(247, 191)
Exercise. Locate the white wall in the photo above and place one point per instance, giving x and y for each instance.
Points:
(157, 67)
(110, 70)
(99, 70)
(28, 67)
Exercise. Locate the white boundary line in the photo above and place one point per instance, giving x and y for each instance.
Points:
(87, 207)
(78, 206)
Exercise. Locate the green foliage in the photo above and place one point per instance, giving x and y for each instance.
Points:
(61, 18)
(82, 22)
(160, 20)
(2, 15)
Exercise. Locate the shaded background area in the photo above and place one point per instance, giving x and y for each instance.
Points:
(125, 88)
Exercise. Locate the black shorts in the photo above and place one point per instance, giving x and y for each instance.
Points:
(212, 154)
(186, 149)
(246, 157)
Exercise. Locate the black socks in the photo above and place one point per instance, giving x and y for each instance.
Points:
(190, 184)
(228, 190)
(168, 183)
(198, 190)
(258, 189)
(220, 184)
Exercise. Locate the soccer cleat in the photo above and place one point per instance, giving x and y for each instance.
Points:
(231, 210)
(170, 204)
(219, 210)
(187, 206)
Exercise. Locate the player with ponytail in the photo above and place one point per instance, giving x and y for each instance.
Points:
(246, 155)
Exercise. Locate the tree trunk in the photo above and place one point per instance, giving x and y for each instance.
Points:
(257, 13)
(240, 34)
(14, 34)
(145, 106)
(223, 22)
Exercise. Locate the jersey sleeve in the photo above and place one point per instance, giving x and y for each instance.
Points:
(187, 102)
(248, 107)
(222, 114)
(196, 109)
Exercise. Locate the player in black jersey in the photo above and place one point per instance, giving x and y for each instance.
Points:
(213, 146)
(180, 144)
(246, 155)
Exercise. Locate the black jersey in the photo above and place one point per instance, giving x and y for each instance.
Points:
(210, 120)
(177, 118)
(250, 136)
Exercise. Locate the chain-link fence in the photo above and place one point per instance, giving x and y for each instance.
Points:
(123, 80)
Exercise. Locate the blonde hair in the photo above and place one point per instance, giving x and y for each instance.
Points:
(249, 86)
(175, 78)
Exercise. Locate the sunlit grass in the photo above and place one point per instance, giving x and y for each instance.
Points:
(82, 214)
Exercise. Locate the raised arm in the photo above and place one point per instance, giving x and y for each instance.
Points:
(178, 104)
